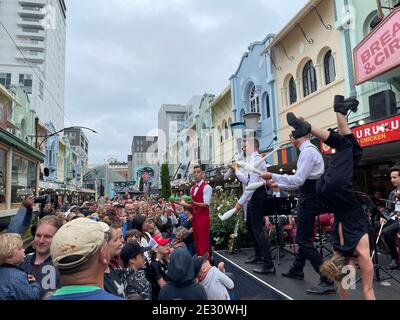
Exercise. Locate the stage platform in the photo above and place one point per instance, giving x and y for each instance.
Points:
(252, 286)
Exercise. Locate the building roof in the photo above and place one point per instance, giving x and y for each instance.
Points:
(292, 23)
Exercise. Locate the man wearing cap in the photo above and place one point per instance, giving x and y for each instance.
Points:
(81, 254)
(201, 194)
(310, 166)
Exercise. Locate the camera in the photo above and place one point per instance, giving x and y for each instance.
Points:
(42, 199)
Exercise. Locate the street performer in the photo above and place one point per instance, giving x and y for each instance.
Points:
(256, 208)
(310, 167)
(201, 194)
(335, 188)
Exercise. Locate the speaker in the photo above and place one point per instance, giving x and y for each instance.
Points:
(382, 105)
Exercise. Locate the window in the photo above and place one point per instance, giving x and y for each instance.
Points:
(26, 81)
(309, 79)
(226, 130)
(221, 138)
(254, 100)
(3, 175)
(329, 66)
(23, 176)
(5, 79)
(242, 115)
(292, 91)
(267, 107)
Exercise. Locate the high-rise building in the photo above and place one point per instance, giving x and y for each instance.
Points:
(32, 44)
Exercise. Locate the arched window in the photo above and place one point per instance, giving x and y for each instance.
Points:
(267, 107)
(292, 91)
(254, 100)
(221, 138)
(226, 130)
(230, 127)
(329, 66)
(309, 79)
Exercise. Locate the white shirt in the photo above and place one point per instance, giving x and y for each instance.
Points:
(310, 165)
(207, 192)
(250, 178)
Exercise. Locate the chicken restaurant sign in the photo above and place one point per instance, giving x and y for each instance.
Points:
(387, 130)
(384, 131)
(379, 52)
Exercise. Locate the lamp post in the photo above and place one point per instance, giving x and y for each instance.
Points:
(252, 121)
(55, 133)
(237, 128)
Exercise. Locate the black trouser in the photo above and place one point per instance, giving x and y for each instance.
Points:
(256, 210)
(335, 187)
(309, 206)
(390, 233)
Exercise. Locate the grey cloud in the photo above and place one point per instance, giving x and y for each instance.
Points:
(127, 57)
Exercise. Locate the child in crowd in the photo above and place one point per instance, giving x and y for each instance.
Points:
(215, 282)
(157, 271)
(15, 284)
(133, 235)
(135, 275)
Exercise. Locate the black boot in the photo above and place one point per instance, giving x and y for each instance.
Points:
(265, 269)
(302, 128)
(293, 274)
(343, 105)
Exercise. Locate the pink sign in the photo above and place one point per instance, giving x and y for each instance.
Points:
(379, 52)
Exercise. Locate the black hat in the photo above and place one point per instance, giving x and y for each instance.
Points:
(131, 250)
(198, 262)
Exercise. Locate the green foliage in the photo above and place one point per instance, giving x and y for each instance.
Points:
(141, 184)
(221, 202)
(165, 182)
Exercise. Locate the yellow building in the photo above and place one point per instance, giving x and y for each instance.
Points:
(309, 71)
(223, 141)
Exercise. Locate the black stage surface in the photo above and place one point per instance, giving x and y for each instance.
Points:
(252, 286)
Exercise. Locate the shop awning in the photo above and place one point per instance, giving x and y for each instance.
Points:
(11, 140)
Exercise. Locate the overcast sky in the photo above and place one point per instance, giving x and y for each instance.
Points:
(127, 57)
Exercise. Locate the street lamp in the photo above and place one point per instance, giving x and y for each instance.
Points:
(252, 121)
(237, 128)
(59, 131)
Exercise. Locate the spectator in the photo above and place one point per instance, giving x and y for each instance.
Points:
(214, 281)
(81, 252)
(40, 264)
(15, 284)
(134, 235)
(181, 234)
(189, 239)
(113, 282)
(181, 284)
(157, 271)
(135, 275)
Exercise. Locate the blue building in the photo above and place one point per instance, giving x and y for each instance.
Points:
(253, 89)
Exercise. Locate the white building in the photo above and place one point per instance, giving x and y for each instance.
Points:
(38, 28)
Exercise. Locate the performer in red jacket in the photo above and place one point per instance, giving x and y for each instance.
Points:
(201, 194)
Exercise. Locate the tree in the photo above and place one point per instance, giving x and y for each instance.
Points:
(165, 181)
(141, 184)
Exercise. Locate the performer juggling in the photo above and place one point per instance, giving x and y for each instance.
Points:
(201, 194)
(256, 207)
(310, 167)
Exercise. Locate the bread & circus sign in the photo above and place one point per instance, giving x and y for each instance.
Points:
(384, 131)
(379, 52)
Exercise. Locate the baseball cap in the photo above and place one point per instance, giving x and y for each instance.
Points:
(77, 240)
(158, 241)
(198, 262)
(131, 250)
